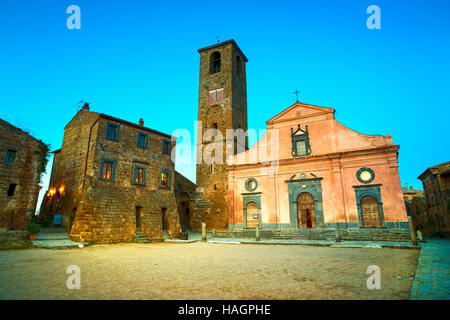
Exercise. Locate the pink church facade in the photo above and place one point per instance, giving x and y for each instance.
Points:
(310, 172)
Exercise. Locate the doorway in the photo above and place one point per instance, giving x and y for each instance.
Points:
(306, 211)
(252, 215)
(370, 212)
(165, 222)
(138, 217)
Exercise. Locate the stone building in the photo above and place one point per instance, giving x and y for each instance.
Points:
(113, 178)
(309, 173)
(410, 193)
(222, 105)
(23, 159)
(436, 187)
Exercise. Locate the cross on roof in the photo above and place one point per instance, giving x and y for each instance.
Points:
(296, 93)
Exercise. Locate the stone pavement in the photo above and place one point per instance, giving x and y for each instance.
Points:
(432, 279)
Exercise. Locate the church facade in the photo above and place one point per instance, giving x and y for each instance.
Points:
(307, 173)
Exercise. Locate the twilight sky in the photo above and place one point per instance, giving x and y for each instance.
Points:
(134, 59)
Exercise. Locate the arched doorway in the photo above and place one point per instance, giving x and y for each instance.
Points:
(370, 212)
(252, 215)
(306, 212)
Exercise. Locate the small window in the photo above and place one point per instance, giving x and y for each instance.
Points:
(142, 140)
(112, 132)
(301, 148)
(139, 175)
(300, 142)
(107, 170)
(179, 187)
(166, 147)
(215, 63)
(11, 189)
(10, 156)
(164, 183)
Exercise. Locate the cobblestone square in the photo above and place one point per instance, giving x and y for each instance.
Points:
(207, 271)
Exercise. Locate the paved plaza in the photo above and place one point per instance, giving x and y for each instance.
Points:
(200, 270)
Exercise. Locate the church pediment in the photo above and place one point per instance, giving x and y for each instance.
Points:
(299, 110)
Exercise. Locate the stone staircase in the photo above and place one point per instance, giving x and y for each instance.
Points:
(55, 239)
(391, 235)
(142, 237)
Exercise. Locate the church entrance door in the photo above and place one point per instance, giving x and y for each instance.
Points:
(370, 212)
(252, 215)
(306, 211)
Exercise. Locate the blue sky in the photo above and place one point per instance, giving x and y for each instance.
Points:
(134, 59)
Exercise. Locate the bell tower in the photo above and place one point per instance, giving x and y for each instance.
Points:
(222, 105)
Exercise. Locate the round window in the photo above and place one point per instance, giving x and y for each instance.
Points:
(365, 175)
(251, 184)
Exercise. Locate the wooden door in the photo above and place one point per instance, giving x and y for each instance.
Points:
(164, 218)
(306, 211)
(138, 217)
(370, 212)
(252, 215)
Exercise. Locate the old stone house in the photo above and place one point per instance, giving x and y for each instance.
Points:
(314, 174)
(113, 178)
(436, 188)
(22, 160)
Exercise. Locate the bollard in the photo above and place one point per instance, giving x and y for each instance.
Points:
(203, 231)
(257, 233)
(412, 231)
(338, 236)
(214, 233)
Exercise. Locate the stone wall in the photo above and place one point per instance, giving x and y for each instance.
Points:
(25, 172)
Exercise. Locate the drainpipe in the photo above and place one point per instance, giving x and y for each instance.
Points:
(87, 152)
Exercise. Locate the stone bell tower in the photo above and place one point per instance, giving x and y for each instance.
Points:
(222, 105)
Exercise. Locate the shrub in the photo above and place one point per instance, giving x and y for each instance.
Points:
(32, 228)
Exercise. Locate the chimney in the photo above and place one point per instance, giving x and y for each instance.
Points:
(85, 107)
(141, 122)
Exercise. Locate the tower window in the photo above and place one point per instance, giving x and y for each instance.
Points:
(215, 63)
(11, 189)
